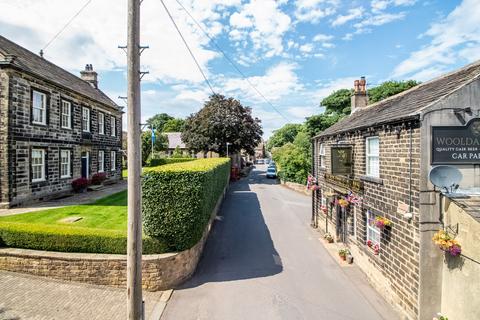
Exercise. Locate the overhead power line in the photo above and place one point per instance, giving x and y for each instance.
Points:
(65, 26)
(231, 61)
(188, 47)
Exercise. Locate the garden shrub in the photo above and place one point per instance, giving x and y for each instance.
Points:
(98, 178)
(179, 198)
(162, 161)
(79, 184)
(71, 239)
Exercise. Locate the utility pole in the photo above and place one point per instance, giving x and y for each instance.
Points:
(134, 242)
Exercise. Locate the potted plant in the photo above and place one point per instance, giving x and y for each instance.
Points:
(376, 249)
(440, 317)
(381, 222)
(343, 253)
(328, 237)
(324, 209)
(447, 243)
(80, 184)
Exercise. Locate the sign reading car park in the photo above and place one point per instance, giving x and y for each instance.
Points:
(456, 144)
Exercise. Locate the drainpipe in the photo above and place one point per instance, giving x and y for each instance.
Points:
(410, 173)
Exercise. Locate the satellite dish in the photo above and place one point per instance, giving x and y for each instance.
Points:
(445, 177)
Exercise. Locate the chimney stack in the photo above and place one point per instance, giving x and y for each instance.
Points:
(90, 76)
(359, 97)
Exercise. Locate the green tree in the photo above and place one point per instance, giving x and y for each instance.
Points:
(222, 120)
(388, 89)
(174, 125)
(338, 102)
(317, 123)
(284, 135)
(161, 143)
(158, 121)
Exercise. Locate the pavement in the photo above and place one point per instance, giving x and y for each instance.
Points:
(74, 199)
(25, 297)
(263, 261)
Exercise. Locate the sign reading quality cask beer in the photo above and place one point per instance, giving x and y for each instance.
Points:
(456, 144)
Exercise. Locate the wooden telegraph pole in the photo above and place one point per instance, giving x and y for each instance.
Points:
(134, 245)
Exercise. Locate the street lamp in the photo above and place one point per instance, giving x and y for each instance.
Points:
(228, 144)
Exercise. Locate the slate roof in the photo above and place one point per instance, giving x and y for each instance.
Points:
(407, 104)
(34, 64)
(174, 140)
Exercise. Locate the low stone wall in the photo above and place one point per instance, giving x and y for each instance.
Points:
(159, 271)
(297, 187)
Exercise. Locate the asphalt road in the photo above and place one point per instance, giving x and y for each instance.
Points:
(263, 261)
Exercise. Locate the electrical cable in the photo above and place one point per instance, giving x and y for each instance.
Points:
(188, 47)
(231, 61)
(66, 25)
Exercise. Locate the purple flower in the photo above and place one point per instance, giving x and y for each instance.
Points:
(455, 250)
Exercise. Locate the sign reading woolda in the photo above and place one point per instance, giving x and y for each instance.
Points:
(456, 144)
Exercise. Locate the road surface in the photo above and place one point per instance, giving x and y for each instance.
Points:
(263, 261)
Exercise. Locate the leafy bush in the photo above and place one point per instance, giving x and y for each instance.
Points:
(70, 239)
(79, 184)
(179, 198)
(98, 178)
(163, 161)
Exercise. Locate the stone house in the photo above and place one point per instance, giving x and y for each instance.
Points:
(378, 159)
(54, 127)
(175, 141)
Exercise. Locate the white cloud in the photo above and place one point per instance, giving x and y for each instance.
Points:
(379, 19)
(328, 87)
(263, 23)
(94, 36)
(302, 112)
(322, 37)
(352, 14)
(306, 48)
(314, 10)
(279, 81)
(454, 39)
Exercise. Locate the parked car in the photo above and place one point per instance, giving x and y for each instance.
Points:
(267, 161)
(272, 164)
(271, 172)
(260, 161)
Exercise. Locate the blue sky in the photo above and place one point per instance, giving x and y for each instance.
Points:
(294, 52)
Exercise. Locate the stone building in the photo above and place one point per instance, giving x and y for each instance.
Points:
(374, 165)
(54, 127)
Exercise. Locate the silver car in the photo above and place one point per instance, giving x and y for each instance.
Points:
(271, 172)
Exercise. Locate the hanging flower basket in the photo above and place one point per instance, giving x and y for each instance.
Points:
(343, 203)
(324, 209)
(447, 243)
(381, 222)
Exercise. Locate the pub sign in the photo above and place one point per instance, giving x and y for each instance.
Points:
(456, 144)
(341, 160)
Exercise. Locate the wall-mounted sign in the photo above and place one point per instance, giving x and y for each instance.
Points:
(456, 144)
(341, 160)
(345, 183)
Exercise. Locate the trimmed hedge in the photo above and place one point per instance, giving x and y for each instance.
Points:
(178, 199)
(70, 239)
(163, 161)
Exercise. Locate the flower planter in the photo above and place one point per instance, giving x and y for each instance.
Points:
(447, 243)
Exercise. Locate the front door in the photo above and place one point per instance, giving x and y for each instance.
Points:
(341, 223)
(85, 164)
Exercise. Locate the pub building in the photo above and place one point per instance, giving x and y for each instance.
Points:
(373, 194)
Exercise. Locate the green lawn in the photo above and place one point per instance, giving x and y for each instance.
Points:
(107, 213)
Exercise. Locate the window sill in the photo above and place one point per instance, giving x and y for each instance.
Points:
(39, 124)
(67, 128)
(65, 177)
(371, 179)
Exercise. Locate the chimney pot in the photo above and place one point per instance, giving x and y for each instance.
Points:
(90, 76)
(359, 98)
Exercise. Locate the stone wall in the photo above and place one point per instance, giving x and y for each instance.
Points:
(159, 271)
(297, 187)
(394, 271)
(461, 276)
(23, 135)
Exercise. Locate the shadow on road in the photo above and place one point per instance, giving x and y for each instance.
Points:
(239, 245)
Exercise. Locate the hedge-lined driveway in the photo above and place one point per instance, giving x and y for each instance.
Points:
(263, 261)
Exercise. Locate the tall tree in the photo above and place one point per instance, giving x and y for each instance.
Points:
(389, 88)
(284, 135)
(338, 102)
(174, 125)
(160, 144)
(222, 120)
(158, 121)
(319, 122)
